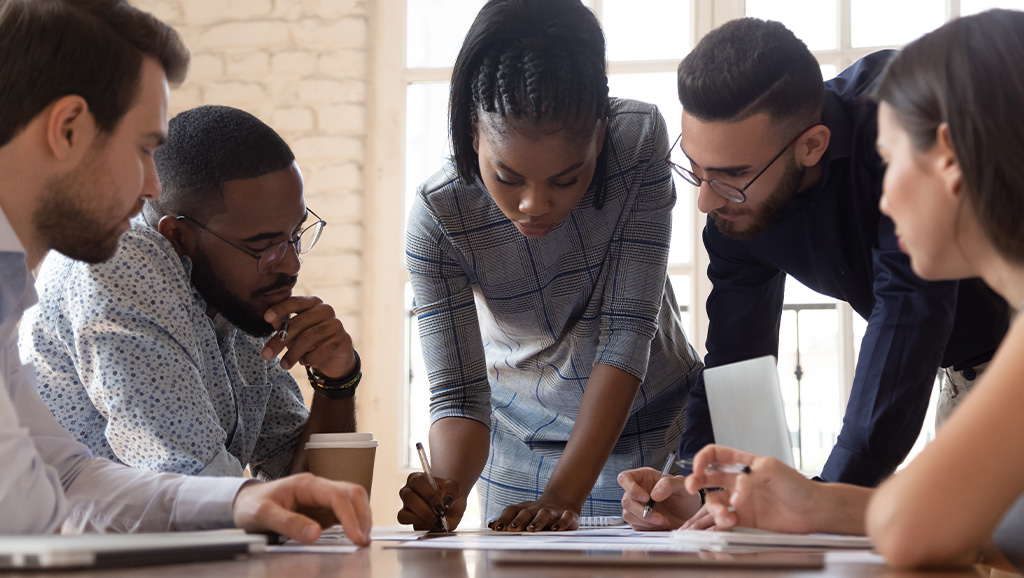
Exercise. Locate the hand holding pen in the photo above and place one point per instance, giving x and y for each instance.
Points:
(649, 506)
(433, 483)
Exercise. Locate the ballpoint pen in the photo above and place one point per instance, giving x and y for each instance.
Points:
(725, 468)
(433, 484)
(282, 333)
(649, 506)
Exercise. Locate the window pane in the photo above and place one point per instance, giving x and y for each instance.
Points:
(809, 375)
(813, 21)
(660, 89)
(828, 71)
(681, 287)
(435, 30)
(647, 29)
(975, 6)
(885, 23)
(427, 145)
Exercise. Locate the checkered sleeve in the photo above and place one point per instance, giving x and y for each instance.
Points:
(448, 326)
(638, 253)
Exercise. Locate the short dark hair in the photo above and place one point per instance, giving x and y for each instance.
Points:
(541, 61)
(969, 74)
(749, 66)
(207, 146)
(90, 48)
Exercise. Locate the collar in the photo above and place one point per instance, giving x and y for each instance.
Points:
(9, 242)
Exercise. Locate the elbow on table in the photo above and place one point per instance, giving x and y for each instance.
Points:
(907, 539)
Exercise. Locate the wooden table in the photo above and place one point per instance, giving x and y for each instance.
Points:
(380, 561)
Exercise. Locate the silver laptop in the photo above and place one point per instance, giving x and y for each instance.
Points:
(125, 550)
(745, 401)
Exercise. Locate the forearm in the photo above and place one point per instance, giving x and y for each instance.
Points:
(325, 416)
(840, 509)
(599, 422)
(458, 450)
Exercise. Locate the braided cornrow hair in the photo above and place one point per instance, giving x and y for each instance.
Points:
(541, 61)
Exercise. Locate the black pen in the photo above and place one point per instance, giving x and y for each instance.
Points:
(430, 477)
(649, 506)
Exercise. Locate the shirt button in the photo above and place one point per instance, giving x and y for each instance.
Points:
(840, 271)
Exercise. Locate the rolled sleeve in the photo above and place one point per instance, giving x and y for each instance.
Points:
(638, 261)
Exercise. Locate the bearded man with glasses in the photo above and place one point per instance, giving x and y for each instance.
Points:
(173, 356)
(787, 172)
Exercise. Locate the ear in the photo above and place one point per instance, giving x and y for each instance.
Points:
(178, 233)
(946, 163)
(70, 127)
(812, 145)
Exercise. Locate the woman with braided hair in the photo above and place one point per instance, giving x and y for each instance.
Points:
(538, 260)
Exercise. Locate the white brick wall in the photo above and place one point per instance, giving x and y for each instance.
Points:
(301, 67)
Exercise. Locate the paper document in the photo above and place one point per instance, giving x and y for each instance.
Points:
(711, 540)
(617, 540)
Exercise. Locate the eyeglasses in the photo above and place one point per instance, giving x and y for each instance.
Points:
(268, 258)
(721, 188)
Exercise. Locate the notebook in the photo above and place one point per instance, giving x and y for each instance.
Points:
(124, 550)
(712, 540)
(745, 402)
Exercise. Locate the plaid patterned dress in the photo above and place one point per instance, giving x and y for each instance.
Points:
(511, 326)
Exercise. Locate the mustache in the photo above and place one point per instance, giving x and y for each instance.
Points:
(282, 282)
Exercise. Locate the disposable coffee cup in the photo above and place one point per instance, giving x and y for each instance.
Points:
(346, 457)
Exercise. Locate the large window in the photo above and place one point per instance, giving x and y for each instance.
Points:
(417, 43)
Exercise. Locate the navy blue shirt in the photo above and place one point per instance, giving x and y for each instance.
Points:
(833, 239)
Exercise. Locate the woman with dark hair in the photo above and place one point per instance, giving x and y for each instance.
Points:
(951, 133)
(538, 259)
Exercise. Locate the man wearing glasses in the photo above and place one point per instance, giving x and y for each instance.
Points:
(789, 177)
(165, 357)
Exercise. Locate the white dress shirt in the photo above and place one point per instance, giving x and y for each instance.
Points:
(48, 479)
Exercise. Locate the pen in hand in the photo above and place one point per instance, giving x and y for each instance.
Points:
(282, 333)
(649, 506)
(430, 478)
(725, 468)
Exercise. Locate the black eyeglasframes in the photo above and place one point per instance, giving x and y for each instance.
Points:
(268, 258)
(721, 188)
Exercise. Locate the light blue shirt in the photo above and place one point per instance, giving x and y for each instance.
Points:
(48, 478)
(130, 363)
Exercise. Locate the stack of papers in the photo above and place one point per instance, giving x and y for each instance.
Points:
(745, 537)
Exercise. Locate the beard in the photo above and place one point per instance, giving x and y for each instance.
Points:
(71, 218)
(765, 215)
(241, 313)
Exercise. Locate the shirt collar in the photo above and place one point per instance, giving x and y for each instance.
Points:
(9, 242)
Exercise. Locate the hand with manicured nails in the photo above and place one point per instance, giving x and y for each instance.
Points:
(422, 506)
(547, 513)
